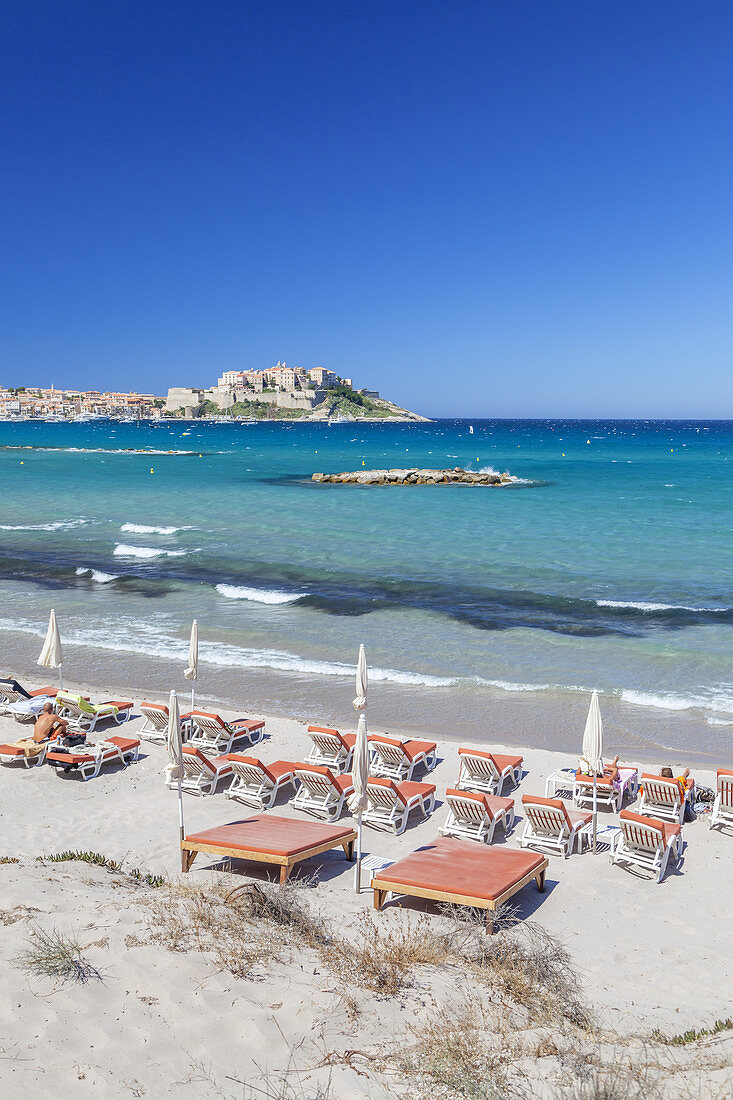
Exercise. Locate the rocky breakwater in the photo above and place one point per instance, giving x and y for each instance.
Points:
(413, 476)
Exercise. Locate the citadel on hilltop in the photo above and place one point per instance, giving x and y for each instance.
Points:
(277, 393)
(283, 392)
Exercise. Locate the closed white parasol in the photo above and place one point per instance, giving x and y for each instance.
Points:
(191, 673)
(175, 754)
(51, 655)
(360, 767)
(593, 753)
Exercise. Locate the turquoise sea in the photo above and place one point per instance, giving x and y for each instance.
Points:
(485, 612)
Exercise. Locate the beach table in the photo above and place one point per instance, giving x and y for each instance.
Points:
(461, 872)
(266, 838)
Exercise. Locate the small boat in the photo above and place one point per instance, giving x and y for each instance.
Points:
(339, 418)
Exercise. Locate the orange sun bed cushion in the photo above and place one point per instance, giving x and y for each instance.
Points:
(492, 803)
(348, 740)
(272, 835)
(342, 783)
(462, 867)
(403, 791)
(572, 817)
(124, 744)
(410, 748)
(502, 761)
(667, 828)
(273, 771)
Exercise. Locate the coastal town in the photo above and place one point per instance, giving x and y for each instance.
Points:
(275, 393)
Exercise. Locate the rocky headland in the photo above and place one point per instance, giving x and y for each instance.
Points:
(414, 476)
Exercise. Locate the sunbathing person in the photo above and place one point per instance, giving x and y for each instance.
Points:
(686, 784)
(48, 724)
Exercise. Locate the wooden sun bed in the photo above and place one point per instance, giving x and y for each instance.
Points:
(461, 872)
(267, 838)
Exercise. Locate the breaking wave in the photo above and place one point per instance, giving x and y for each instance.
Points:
(60, 525)
(145, 529)
(258, 595)
(123, 550)
(97, 575)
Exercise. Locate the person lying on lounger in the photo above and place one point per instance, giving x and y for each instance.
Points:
(686, 784)
(47, 724)
(609, 771)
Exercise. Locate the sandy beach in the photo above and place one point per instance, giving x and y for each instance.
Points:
(649, 956)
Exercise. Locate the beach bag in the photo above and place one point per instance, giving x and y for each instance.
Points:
(72, 740)
(704, 794)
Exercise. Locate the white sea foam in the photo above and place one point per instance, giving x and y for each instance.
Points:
(97, 575)
(146, 529)
(642, 606)
(718, 703)
(123, 550)
(145, 639)
(258, 595)
(60, 525)
(513, 479)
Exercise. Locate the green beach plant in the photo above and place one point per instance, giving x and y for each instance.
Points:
(55, 955)
(143, 878)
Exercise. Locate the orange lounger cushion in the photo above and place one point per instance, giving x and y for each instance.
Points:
(572, 817)
(348, 740)
(724, 771)
(410, 748)
(61, 756)
(271, 835)
(462, 867)
(273, 771)
(493, 803)
(342, 783)
(501, 760)
(246, 724)
(601, 780)
(667, 828)
(405, 790)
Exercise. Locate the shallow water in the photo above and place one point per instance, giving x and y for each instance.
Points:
(607, 564)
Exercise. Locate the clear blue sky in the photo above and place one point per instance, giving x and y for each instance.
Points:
(508, 207)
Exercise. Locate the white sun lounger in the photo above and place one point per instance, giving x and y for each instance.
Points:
(487, 772)
(608, 794)
(13, 754)
(210, 733)
(155, 727)
(26, 710)
(722, 811)
(202, 773)
(474, 816)
(84, 716)
(389, 803)
(661, 798)
(13, 696)
(256, 783)
(331, 749)
(321, 793)
(88, 760)
(647, 842)
(550, 826)
(394, 759)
